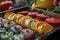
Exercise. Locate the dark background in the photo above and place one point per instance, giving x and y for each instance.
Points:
(54, 36)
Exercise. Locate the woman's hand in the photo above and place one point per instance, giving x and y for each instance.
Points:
(55, 2)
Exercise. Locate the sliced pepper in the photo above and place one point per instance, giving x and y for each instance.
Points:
(32, 24)
(27, 22)
(10, 16)
(6, 16)
(22, 20)
(43, 27)
(17, 18)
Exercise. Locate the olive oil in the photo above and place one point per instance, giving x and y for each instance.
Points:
(43, 4)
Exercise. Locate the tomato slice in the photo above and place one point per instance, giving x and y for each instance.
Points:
(53, 21)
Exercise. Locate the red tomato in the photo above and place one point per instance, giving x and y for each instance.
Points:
(5, 5)
(53, 21)
(41, 17)
(23, 12)
(32, 14)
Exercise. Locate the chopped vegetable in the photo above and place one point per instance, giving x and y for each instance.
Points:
(2, 30)
(6, 35)
(17, 37)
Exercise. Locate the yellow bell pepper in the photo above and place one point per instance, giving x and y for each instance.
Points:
(9, 15)
(43, 27)
(22, 20)
(17, 18)
(32, 25)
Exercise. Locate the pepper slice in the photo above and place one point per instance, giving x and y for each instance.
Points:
(43, 27)
(27, 22)
(48, 28)
(32, 24)
(17, 18)
(8, 15)
(22, 20)
(11, 17)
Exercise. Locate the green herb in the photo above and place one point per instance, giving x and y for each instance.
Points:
(31, 21)
(35, 20)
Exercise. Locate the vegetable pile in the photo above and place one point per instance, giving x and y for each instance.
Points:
(25, 25)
